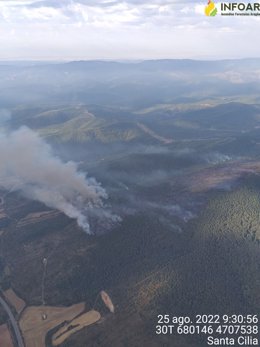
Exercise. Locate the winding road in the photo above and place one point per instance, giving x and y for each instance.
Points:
(13, 321)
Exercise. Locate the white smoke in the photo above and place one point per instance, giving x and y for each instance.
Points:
(217, 158)
(28, 165)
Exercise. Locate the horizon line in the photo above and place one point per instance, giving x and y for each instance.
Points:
(136, 60)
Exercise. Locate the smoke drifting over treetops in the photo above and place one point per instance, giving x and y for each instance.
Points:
(28, 165)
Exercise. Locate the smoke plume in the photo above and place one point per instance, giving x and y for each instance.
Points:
(28, 165)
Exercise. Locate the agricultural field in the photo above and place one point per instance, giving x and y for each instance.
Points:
(5, 336)
(14, 300)
(35, 322)
(75, 325)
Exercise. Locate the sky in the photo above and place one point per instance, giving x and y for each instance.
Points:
(119, 30)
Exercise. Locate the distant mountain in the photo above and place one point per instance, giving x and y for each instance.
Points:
(135, 84)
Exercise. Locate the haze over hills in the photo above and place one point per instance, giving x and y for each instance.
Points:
(174, 144)
(129, 84)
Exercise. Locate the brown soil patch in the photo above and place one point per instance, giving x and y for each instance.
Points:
(5, 336)
(37, 217)
(75, 325)
(14, 300)
(35, 321)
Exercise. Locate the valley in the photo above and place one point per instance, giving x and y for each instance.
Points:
(172, 169)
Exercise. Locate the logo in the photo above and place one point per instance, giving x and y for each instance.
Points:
(210, 9)
(232, 9)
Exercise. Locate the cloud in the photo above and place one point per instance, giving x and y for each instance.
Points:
(113, 29)
(75, 11)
